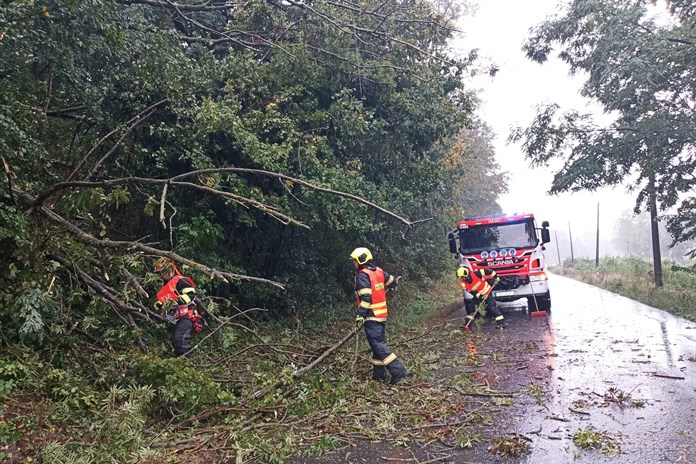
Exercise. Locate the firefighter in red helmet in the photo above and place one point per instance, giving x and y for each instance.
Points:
(371, 284)
(179, 291)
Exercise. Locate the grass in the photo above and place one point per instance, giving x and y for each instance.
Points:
(634, 278)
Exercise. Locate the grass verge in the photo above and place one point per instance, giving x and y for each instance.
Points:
(634, 278)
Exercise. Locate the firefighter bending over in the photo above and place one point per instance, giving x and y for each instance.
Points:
(371, 284)
(183, 317)
(477, 284)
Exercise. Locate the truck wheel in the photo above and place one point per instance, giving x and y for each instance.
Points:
(543, 302)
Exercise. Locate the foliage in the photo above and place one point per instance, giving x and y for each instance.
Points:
(640, 69)
(467, 440)
(506, 446)
(140, 408)
(632, 236)
(363, 100)
(323, 445)
(588, 438)
(118, 430)
(225, 136)
(180, 385)
(13, 373)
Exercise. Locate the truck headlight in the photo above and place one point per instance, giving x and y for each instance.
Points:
(538, 278)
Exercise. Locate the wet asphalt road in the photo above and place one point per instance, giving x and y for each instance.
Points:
(599, 362)
(594, 341)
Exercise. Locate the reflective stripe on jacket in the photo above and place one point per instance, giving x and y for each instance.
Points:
(183, 296)
(477, 287)
(378, 294)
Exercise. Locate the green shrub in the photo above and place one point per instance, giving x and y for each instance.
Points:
(179, 384)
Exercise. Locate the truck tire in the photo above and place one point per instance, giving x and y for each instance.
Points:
(542, 303)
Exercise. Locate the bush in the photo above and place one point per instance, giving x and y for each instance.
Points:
(179, 384)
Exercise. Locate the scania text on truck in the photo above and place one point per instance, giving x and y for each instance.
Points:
(511, 247)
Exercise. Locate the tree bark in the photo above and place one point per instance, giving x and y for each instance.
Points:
(657, 256)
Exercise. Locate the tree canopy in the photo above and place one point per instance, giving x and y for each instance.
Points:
(639, 63)
(253, 143)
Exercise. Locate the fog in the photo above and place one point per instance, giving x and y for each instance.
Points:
(498, 28)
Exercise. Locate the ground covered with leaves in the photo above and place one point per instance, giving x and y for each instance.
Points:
(126, 407)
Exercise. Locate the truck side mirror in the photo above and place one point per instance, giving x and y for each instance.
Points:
(452, 242)
(545, 224)
(545, 234)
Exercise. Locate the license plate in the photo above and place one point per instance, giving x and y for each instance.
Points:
(503, 293)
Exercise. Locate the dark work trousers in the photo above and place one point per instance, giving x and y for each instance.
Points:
(491, 307)
(376, 337)
(181, 332)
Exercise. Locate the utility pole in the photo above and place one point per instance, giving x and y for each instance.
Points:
(596, 263)
(558, 250)
(570, 236)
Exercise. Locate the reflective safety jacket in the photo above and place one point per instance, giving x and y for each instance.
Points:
(371, 285)
(181, 290)
(478, 285)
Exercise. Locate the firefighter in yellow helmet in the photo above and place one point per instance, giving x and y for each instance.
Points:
(477, 284)
(371, 284)
(179, 291)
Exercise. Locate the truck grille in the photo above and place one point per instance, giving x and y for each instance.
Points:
(511, 268)
(512, 282)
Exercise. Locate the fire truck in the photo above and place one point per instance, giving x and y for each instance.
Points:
(511, 246)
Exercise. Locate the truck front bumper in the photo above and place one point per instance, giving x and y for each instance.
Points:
(523, 291)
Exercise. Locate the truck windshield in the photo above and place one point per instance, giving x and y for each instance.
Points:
(507, 235)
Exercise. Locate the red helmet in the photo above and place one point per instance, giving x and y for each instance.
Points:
(163, 264)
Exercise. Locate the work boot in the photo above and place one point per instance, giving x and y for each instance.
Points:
(379, 373)
(500, 322)
(398, 378)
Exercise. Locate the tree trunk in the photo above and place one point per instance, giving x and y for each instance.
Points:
(657, 256)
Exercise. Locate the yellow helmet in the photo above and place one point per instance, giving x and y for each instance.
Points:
(361, 255)
(463, 272)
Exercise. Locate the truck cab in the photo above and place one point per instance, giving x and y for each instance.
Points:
(512, 246)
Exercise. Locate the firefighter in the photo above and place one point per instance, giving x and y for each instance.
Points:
(180, 292)
(476, 283)
(371, 284)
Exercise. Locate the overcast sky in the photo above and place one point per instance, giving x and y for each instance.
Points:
(498, 28)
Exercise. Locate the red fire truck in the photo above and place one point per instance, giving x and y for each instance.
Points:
(511, 247)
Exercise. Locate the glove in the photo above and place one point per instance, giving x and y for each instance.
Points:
(394, 284)
(359, 321)
(170, 316)
(198, 323)
(495, 282)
